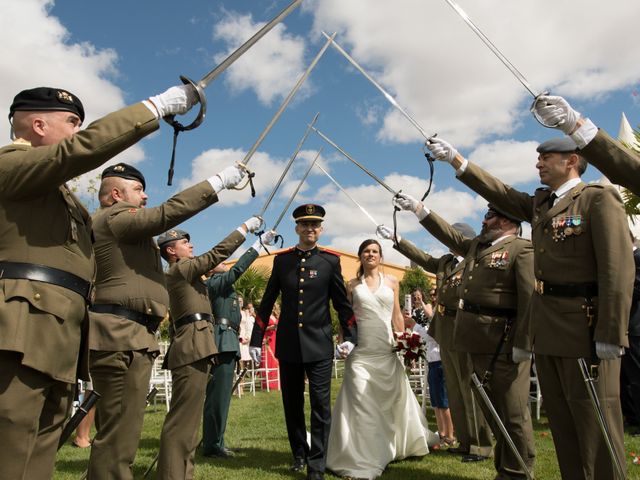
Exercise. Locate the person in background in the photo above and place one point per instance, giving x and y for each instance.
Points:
(269, 359)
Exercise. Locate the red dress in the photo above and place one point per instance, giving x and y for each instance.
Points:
(269, 359)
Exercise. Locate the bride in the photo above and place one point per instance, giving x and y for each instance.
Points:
(376, 418)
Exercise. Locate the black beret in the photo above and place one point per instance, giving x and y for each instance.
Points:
(464, 229)
(123, 170)
(558, 145)
(493, 208)
(308, 211)
(47, 98)
(171, 236)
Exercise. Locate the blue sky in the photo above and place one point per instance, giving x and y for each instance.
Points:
(116, 53)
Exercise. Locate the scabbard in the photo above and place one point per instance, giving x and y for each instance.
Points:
(77, 417)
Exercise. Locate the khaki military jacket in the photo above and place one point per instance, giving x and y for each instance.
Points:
(495, 276)
(448, 274)
(599, 251)
(41, 222)
(129, 267)
(188, 295)
(619, 164)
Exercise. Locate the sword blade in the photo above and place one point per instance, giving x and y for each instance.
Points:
(602, 421)
(388, 96)
(364, 169)
(335, 182)
(306, 174)
(505, 61)
(226, 63)
(494, 413)
(286, 102)
(288, 166)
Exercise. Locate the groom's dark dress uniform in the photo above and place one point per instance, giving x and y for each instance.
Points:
(304, 340)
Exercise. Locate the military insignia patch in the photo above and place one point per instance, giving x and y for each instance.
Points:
(310, 209)
(65, 96)
(172, 234)
(118, 168)
(564, 226)
(313, 273)
(133, 211)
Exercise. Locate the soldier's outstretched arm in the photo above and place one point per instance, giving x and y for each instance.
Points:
(200, 265)
(446, 234)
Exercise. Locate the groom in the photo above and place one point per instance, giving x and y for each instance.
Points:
(308, 277)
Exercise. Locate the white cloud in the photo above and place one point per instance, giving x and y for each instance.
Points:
(271, 67)
(511, 161)
(447, 79)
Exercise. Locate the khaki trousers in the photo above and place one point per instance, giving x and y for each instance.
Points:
(122, 378)
(580, 446)
(179, 437)
(33, 408)
(508, 391)
(472, 429)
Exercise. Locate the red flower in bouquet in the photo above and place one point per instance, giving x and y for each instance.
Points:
(410, 345)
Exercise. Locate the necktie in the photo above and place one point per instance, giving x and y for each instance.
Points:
(551, 201)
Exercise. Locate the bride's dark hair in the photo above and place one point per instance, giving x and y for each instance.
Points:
(361, 248)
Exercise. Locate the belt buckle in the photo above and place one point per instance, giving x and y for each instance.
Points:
(539, 287)
(440, 309)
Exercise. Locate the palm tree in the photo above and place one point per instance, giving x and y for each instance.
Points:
(252, 283)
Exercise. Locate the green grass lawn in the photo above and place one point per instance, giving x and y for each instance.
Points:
(256, 432)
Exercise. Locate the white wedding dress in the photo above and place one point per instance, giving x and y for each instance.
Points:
(376, 418)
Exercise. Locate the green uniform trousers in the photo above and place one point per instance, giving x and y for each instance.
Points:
(122, 378)
(508, 391)
(33, 408)
(471, 428)
(179, 437)
(580, 446)
(216, 406)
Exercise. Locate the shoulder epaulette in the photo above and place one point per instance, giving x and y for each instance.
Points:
(288, 250)
(326, 250)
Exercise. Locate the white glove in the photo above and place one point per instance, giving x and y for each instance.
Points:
(231, 176)
(519, 355)
(176, 100)
(344, 349)
(556, 112)
(253, 224)
(267, 238)
(407, 202)
(607, 351)
(256, 354)
(385, 232)
(441, 149)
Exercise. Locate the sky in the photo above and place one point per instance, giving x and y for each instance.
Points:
(116, 53)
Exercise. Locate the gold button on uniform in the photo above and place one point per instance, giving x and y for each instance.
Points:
(302, 280)
(303, 260)
(299, 325)
(302, 269)
(541, 250)
(149, 310)
(300, 291)
(299, 314)
(37, 296)
(300, 302)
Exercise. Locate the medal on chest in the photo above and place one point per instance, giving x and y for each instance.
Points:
(499, 259)
(313, 273)
(564, 226)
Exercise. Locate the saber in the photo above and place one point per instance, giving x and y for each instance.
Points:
(81, 412)
(285, 103)
(505, 61)
(306, 174)
(286, 169)
(239, 379)
(364, 169)
(367, 214)
(483, 394)
(226, 63)
(602, 421)
(379, 87)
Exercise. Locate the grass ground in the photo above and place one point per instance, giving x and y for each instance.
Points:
(257, 434)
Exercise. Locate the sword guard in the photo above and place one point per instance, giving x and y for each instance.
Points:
(202, 100)
(533, 110)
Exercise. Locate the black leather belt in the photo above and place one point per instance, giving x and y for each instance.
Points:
(489, 311)
(194, 317)
(585, 290)
(442, 310)
(225, 321)
(42, 273)
(143, 319)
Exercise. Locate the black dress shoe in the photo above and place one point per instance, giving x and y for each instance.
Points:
(458, 451)
(298, 465)
(315, 476)
(472, 457)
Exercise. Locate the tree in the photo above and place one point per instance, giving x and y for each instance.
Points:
(631, 200)
(252, 283)
(414, 278)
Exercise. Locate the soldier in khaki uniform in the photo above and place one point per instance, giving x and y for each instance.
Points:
(131, 300)
(471, 428)
(492, 318)
(47, 264)
(619, 163)
(192, 347)
(584, 272)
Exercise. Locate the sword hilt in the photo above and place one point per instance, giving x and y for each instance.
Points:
(536, 99)
(202, 100)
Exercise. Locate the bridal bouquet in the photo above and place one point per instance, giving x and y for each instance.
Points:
(410, 345)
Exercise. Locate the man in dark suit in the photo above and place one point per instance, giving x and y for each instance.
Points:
(630, 369)
(308, 277)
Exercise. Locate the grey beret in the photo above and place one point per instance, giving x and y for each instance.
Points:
(171, 236)
(558, 145)
(464, 229)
